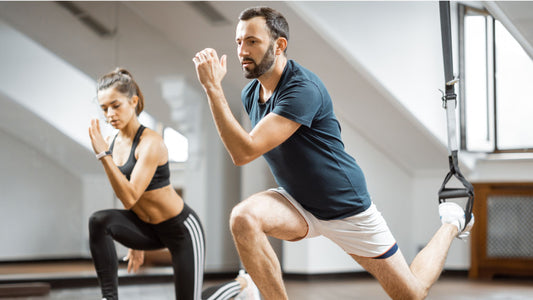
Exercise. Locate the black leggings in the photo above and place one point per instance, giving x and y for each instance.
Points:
(183, 235)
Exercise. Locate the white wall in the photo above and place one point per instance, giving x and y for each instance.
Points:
(222, 193)
(47, 85)
(397, 42)
(506, 170)
(41, 204)
(97, 194)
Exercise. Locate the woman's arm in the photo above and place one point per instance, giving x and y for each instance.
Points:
(149, 152)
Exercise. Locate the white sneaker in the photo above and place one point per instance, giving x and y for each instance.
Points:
(250, 292)
(452, 213)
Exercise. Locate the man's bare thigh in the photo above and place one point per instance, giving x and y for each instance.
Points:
(277, 216)
(394, 275)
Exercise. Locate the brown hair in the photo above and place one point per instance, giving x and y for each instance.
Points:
(122, 80)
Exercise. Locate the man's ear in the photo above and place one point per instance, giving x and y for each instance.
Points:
(281, 45)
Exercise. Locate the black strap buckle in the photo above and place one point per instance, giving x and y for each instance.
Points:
(450, 93)
(448, 97)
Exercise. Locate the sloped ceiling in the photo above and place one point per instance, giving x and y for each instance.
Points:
(157, 40)
(517, 17)
(32, 130)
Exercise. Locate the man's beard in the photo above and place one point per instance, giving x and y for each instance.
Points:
(263, 67)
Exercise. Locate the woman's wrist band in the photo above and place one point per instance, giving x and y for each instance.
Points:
(102, 154)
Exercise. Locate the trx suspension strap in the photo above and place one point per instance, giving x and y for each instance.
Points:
(449, 102)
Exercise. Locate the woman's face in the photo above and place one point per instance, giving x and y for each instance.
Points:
(118, 108)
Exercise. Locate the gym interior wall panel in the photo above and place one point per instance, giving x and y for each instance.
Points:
(317, 256)
(398, 43)
(41, 204)
(97, 194)
(504, 170)
(222, 191)
(66, 107)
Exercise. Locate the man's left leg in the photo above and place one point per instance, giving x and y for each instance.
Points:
(403, 282)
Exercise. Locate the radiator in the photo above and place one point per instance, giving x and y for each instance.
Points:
(510, 226)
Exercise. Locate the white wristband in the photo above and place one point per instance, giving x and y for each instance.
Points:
(102, 154)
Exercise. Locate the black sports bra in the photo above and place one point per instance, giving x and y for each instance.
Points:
(161, 176)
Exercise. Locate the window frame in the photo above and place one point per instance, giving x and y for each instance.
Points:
(492, 85)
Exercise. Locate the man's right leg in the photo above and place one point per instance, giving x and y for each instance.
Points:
(265, 214)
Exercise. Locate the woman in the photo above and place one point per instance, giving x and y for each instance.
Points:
(155, 216)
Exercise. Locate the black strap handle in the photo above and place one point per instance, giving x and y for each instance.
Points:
(466, 192)
(453, 193)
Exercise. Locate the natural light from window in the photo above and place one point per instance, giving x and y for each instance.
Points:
(514, 78)
(148, 121)
(497, 96)
(478, 104)
(177, 144)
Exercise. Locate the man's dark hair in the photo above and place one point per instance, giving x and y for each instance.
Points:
(275, 21)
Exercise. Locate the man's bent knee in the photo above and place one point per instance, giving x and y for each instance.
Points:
(242, 220)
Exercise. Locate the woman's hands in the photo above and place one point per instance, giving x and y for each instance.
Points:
(97, 140)
(135, 259)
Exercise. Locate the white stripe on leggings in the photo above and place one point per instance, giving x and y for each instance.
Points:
(198, 248)
(226, 292)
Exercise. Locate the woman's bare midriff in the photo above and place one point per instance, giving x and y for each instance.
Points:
(158, 205)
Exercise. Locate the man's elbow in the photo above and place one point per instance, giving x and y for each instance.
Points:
(241, 160)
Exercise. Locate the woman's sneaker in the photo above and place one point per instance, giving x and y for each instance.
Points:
(452, 213)
(250, 292)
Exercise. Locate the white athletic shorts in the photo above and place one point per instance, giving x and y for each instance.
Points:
(365, 234)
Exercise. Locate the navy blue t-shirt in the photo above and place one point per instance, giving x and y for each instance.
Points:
(312, 164)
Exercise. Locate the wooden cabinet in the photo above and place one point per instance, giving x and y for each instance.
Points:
(502, 237)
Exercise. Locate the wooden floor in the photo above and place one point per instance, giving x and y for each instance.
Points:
(460, 289)
(450, 285)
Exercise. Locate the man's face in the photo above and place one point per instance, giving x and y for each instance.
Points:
(255, 47)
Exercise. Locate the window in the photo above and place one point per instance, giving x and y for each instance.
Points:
(177, 145)
(514, 109)
(147, 120)
(497, 75)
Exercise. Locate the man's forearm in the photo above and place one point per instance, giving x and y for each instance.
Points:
(236, 140)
